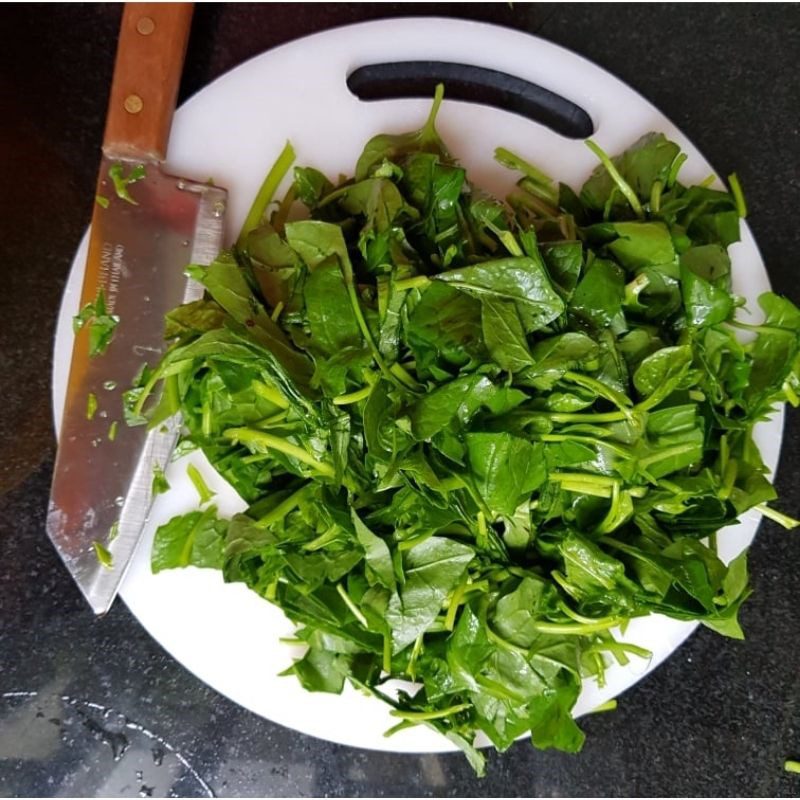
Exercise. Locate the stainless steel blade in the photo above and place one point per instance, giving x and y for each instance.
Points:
(137, 256)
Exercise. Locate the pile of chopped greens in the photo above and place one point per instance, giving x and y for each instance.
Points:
(476, 436)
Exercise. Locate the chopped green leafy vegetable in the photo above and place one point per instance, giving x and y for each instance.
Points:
(476, 438)
(610, 705)
(792, 766)
(112, 431)
(103, 554)
(101, 201)
(195, 539)
(101, 324)
(122, 181)
(91, 405)
(160, 483)
(199, 484)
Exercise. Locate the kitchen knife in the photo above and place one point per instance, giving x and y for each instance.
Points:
(146, 227)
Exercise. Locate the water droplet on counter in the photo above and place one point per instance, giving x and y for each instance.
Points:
(110, 385)
(185, 242)
(102, 414)
(117, 741)
(119, 501)
(85, 730)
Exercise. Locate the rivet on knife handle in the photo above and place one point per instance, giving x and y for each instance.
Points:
(147, 74)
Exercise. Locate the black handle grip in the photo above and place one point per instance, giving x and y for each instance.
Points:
(474, 84)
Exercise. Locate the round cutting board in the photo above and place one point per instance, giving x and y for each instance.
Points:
(232, 131)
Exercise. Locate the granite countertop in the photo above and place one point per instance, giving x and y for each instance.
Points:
(96, 707)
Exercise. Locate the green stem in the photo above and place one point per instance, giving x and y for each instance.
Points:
(622, 647)
(791, 395)
(262, 439)
(578, 629)
(353, 397)
(272, 421)
(505, 644)
(624, 452)
(609, 705)
(429, 128)
(276, 312)
(782, 519)
(746, 326)
(546, 195)
(266, 193)
(186, 551)
(403, 376)
(515, 162)
(411, 670)
(655, 197)
(610, 416)
(583, 477)
(532, 203)
(452, 609)
(284, 507)
(148, 388)
(669, 452)
(201, 487)
(675, 169)
(617, 398)
(417, 282)
(728, 478)
(269, 393)
(423, 715)
(387, 654)
(483, 532)
(622, 184)
(356, 611)
(323, 539)
(706, 182)
(738, 195)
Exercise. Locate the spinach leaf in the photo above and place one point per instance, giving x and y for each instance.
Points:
(597, 299)
(506, 469)
(328, 310)
(523, 281)
(444, 329)
(194, 539)
(432, 570)
(504, 335)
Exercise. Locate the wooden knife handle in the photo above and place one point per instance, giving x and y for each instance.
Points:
(147, 73)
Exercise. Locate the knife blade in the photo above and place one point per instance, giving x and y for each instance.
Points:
(147, 226)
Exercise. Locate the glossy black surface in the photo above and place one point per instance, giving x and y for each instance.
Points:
(95, 707)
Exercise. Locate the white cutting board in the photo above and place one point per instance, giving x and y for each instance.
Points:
(232, 131)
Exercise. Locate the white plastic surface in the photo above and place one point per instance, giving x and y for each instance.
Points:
(232, 131)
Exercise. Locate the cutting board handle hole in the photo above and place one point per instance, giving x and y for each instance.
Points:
(475, 85)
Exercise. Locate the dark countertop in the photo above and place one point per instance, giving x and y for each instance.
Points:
(96, 707)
